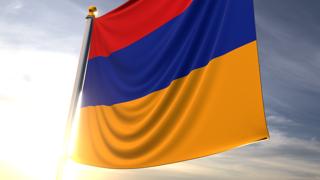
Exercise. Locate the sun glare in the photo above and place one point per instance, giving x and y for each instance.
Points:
(34, 99)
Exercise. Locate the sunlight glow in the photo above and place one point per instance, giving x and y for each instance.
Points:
(96, 13)
(34, 100)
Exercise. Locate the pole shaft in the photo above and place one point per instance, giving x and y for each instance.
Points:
(78, 85)
(79, 80)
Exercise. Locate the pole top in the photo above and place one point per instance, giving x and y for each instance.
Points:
(93, 11)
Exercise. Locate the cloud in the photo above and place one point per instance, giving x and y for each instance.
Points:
(281, 121)
(13, 7)
(288, 45)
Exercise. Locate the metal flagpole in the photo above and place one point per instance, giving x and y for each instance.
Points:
(78, 85)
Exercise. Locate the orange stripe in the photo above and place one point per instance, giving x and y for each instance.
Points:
(213, 109)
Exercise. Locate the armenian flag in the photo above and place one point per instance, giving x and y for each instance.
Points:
(169, 81)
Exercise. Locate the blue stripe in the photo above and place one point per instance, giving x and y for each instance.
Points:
(207, 29)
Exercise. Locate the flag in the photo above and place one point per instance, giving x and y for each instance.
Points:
(169, 81)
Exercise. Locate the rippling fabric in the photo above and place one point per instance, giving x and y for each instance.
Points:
(179, 80)
(207, 29)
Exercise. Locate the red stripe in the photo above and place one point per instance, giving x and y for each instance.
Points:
(131, 22)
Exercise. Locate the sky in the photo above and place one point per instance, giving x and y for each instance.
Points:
(40, 43)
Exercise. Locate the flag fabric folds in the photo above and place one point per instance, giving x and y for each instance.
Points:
(169, 81)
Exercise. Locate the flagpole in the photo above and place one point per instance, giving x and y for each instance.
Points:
(77, 88)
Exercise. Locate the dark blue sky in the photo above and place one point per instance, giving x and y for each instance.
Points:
(289, 43)
(289, 39)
